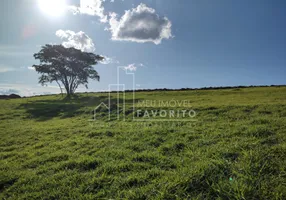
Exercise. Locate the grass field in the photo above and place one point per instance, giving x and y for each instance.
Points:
(235, 149)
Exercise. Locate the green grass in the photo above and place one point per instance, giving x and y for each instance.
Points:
(235, 150)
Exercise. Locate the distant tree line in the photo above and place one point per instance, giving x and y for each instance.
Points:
(184, 89)
(203, 88)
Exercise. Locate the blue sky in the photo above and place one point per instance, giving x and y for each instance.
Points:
(171, 44)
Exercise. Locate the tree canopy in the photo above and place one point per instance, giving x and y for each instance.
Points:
(68, 67)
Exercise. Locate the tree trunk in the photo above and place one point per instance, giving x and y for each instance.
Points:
(68, 91)
(60, 88)
(66, 84)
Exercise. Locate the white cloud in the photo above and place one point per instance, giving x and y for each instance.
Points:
(8, 91)
(78, 40)
(31, 90)
(4, 68)
(140, 24)
(107, 60)
(26, 90)
(132, 67)
(31, 68)
(91, 7)
(81, 41)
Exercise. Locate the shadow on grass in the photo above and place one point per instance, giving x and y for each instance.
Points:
(46, 109)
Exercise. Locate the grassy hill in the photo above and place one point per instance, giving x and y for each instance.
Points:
(234, 149)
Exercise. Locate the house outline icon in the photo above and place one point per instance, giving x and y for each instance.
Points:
(118, 85)
(102, 104)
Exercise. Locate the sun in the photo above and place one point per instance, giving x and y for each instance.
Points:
(53, 8)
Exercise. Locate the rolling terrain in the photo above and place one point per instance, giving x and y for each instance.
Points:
(234, 148)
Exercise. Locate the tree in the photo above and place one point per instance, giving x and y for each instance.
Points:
(68, 67)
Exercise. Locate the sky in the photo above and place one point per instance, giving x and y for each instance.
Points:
(165, 43)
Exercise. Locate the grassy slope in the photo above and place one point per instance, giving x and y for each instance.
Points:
(236, 149)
